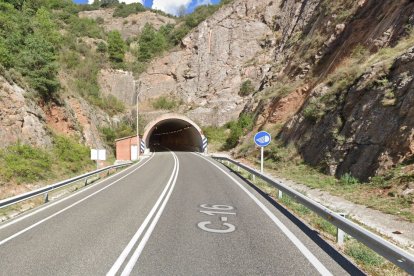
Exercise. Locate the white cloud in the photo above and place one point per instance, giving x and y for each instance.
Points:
(171, 6)
(125, 1)
(203, 2)
(132, 1)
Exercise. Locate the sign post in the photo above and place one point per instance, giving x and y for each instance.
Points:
(262, 139)
(98, 155)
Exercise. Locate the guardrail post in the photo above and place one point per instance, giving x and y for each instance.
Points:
(86, 181)
(254, 178)
(46, 198)
(340, 235)
(279, 194)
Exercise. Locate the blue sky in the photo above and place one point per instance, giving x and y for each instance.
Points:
(169, 6)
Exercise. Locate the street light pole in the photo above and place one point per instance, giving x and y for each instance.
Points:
(139, 92)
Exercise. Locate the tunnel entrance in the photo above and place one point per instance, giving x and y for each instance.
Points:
(174, 132)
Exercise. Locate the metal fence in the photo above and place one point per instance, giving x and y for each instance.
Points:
(45, 190)
(384, 248)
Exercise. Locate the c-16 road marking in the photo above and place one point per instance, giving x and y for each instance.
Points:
(219, 210)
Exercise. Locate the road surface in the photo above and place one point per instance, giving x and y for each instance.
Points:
(171, 214)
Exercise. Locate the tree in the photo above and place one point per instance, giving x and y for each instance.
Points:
(37, 62)
(116, 47)
(18, 4)
(151, 43)
(108, 3)
(45, 27)
(181, 11)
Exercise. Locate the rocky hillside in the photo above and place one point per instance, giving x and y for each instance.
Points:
(129, 26)
(334, 78)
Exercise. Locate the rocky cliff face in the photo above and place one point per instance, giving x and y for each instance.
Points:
(24, 120)
(302, 58)
(118, 83)
(20, 119)
(342, 84)
(206, 72)
(369, 131)
(336, 75)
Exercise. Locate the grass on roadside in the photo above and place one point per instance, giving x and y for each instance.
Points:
(23, 164)
(368, 260)
(381, 193)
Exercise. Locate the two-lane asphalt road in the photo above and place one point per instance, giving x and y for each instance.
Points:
(171, 214)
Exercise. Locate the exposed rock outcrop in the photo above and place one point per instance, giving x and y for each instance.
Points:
(21, 120)
(118, 83)
(370, 130)
(207, 71)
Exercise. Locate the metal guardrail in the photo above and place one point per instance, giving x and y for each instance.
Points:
(384, 248)
(16, 199)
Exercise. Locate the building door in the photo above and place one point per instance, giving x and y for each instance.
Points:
(134, 153)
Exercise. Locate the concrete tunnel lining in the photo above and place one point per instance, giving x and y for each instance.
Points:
(175, 132)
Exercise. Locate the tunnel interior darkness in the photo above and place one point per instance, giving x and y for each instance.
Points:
(176, 135)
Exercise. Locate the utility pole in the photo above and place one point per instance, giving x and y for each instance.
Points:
(139, 92)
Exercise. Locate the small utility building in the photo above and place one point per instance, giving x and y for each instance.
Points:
(127, 148)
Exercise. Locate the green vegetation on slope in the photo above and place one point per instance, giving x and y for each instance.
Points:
(123, 129)
(165, 103)
(124, 10)
(29, 43)
(229, 135)
(25, 164)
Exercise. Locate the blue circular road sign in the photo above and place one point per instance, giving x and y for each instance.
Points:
(262, 139)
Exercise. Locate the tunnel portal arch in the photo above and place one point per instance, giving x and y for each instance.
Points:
(174, 131)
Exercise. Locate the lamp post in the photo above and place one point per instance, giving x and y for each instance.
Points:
(139, 92)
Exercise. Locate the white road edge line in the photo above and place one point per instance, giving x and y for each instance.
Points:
(42, 208)
(67, 208)
(131, 263)
(121, 259)
(302, 248)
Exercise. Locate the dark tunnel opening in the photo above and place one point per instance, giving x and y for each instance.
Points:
(175, 135)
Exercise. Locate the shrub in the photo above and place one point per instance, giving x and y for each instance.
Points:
(101, 47)
(348, 179)
(246, 88)
(215, 134)
(116, 47)
(24, 163)
(313, 110)
(70, 154)
(85, 27)
(151, 43)
(124, 10)
(362, 254)
(69, 59)
(243, 125)
(165, 103)
(123, 129)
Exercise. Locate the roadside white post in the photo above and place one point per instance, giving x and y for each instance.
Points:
(280, 194)
(262, 139)
(340, 234)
